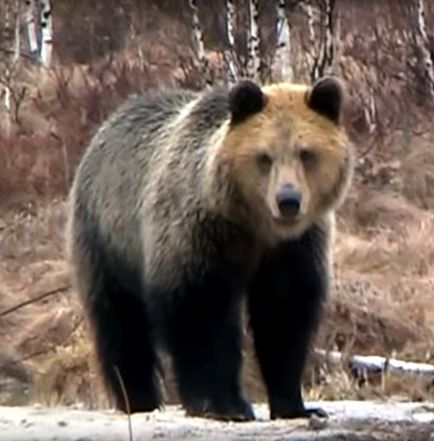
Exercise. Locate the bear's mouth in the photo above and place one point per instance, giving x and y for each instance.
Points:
(286, 221)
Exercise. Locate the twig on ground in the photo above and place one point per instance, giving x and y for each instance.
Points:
(127, 403)
(34, 300)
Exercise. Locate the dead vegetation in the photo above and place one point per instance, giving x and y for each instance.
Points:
(381, 300)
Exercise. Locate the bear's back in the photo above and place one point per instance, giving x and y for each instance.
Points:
(118, 156)
(131, 129)
(105, 197)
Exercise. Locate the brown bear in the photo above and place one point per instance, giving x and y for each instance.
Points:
(184, 205)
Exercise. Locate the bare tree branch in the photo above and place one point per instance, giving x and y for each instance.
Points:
(34, 300)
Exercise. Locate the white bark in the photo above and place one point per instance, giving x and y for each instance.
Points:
(282, 64)
(10, 59)
(30, 26)
(230, 22)
(329, 35)
(311, 47)
(17, 36)
(375, 363)
(370, 112)
(198, 45)
(422, 44)
(8, 108)
(310, 24)
(231, 57)
(324, 60)
(7, 31)
(254, 56)
(7, 96)
(47, 33)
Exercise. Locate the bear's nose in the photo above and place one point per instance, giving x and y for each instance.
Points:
(288, 201)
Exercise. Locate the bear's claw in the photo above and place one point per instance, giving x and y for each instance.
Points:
(299, 413)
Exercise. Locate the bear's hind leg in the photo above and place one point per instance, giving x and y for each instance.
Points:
(203, 335)
(124, 345)
(284, 303)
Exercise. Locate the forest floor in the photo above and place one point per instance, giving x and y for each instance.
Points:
(348, 421)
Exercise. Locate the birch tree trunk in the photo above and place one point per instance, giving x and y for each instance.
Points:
(5, 67)
(422, 48)
(30, 26)
(9, 58)
(253, 42)
(17, 33)
(11, 91)
(325, 58)
(231, 56)
(360, 364)
(8, 108)
(310, 24)
(198, 45)
(311, 48)
(282, 63)
(47, 33)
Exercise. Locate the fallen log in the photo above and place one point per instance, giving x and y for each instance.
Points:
(361, 364)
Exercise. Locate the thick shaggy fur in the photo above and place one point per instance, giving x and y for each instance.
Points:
(172, 223)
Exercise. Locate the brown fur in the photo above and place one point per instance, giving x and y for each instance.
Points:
(281, 129)
(171, 201)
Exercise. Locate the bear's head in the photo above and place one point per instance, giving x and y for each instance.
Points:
(285, 154)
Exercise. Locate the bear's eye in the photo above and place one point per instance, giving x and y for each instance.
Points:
(264, 161)
(308, 157)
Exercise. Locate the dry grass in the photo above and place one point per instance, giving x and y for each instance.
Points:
(62, 110)
(417, 173)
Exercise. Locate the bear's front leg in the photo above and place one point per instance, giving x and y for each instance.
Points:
(202, 331)
(284, 305)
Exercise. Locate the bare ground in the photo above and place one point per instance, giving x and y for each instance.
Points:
(349, 421)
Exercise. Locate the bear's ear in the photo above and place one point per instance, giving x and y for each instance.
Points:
(326, 97)
(245, 99)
